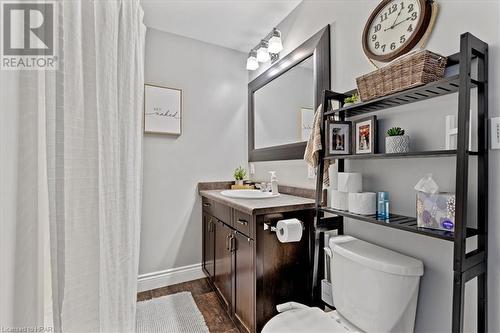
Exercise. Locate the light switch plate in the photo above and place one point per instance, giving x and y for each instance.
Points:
(495, 133)
(252, 168)
(311, 174)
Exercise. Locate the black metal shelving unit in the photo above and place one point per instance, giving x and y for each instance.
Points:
(466, 265)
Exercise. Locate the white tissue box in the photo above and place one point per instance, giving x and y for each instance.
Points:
(436, 211)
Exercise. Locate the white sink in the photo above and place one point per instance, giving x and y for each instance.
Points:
(248, 194)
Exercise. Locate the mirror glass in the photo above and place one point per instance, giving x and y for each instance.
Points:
(284, 107)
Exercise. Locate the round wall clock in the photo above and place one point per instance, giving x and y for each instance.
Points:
(395, 27)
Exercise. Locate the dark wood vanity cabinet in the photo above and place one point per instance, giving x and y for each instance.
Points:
(209, 225)
(243, 296)
(250, 270)
(223, 262)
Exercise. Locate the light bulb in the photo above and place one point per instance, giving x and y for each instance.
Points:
(252, 63)
(275, 45)
(262, 54)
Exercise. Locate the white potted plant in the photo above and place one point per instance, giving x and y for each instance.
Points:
(239, 175)
(396, 141)
(353, 99)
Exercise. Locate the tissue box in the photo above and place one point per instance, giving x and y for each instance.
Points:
(436, 211)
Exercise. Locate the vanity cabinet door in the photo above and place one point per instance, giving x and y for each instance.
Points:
(243, 301)
(222, 277)
(209, 225)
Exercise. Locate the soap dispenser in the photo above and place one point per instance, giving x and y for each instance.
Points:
(274, 182)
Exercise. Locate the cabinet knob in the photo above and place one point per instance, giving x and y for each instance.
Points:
(207, 204)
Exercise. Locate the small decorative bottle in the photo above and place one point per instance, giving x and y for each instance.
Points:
(382, 205)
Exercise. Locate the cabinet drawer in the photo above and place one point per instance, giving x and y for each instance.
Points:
(217, 210)
(243, 223)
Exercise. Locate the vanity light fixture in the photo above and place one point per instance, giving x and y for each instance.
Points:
(267, 49)
(262, 54)
(252, 63)
(275, 44)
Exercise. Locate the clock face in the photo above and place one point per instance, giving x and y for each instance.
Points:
(394, 28)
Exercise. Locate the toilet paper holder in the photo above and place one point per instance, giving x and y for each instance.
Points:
(270, 221)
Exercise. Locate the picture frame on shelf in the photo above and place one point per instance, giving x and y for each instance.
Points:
(365, 135)
(338, 138)
(162, 110)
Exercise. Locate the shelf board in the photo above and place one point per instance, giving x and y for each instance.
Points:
(415, 154)
(442, 87)
(400, 222)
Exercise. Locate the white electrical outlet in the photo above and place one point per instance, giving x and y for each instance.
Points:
(311, 173)
(252, 168)
(495, 133)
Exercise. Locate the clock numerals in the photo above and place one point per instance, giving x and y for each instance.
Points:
(393, 8)
(393, 27)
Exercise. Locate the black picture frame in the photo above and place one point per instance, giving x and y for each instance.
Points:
(370, 139)
(347, 142)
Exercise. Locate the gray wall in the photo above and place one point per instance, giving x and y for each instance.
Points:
(212, 144)
(425, 124)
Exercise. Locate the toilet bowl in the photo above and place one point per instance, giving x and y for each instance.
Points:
(374, 290)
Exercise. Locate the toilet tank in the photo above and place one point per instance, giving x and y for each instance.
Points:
(374, 288)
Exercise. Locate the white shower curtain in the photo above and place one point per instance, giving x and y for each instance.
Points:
(72, 171)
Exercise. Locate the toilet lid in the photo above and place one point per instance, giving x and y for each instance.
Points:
(310, 320)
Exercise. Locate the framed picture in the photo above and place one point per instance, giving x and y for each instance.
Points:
(365, 135)
(338, 138)
(306, 123)
(162, 110)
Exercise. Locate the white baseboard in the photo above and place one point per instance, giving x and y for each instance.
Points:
(169, 276)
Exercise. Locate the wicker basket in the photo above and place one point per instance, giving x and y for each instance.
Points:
(407, 72)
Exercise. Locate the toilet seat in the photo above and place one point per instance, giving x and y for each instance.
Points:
(310, 320)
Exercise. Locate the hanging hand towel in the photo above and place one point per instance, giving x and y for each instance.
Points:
(311, 155)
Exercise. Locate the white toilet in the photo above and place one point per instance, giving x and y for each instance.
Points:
(374, 290)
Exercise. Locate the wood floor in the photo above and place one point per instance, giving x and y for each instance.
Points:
(216, 318)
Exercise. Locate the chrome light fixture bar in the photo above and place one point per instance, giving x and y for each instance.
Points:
(268, 49)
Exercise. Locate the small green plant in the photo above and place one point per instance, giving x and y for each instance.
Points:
(240, 173)
(395, 131)
(353, 99)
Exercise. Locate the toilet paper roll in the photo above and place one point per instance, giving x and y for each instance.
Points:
(350, 182)
(289, 230)
(363, 203)
(339, 200)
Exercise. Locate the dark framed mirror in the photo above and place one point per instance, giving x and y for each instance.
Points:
(283, 99)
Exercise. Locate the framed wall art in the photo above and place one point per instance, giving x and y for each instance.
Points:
(306, 123)
(338, 138)
(162, 110)
(365, 135)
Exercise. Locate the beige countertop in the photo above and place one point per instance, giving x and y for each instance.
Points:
(280, 204)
